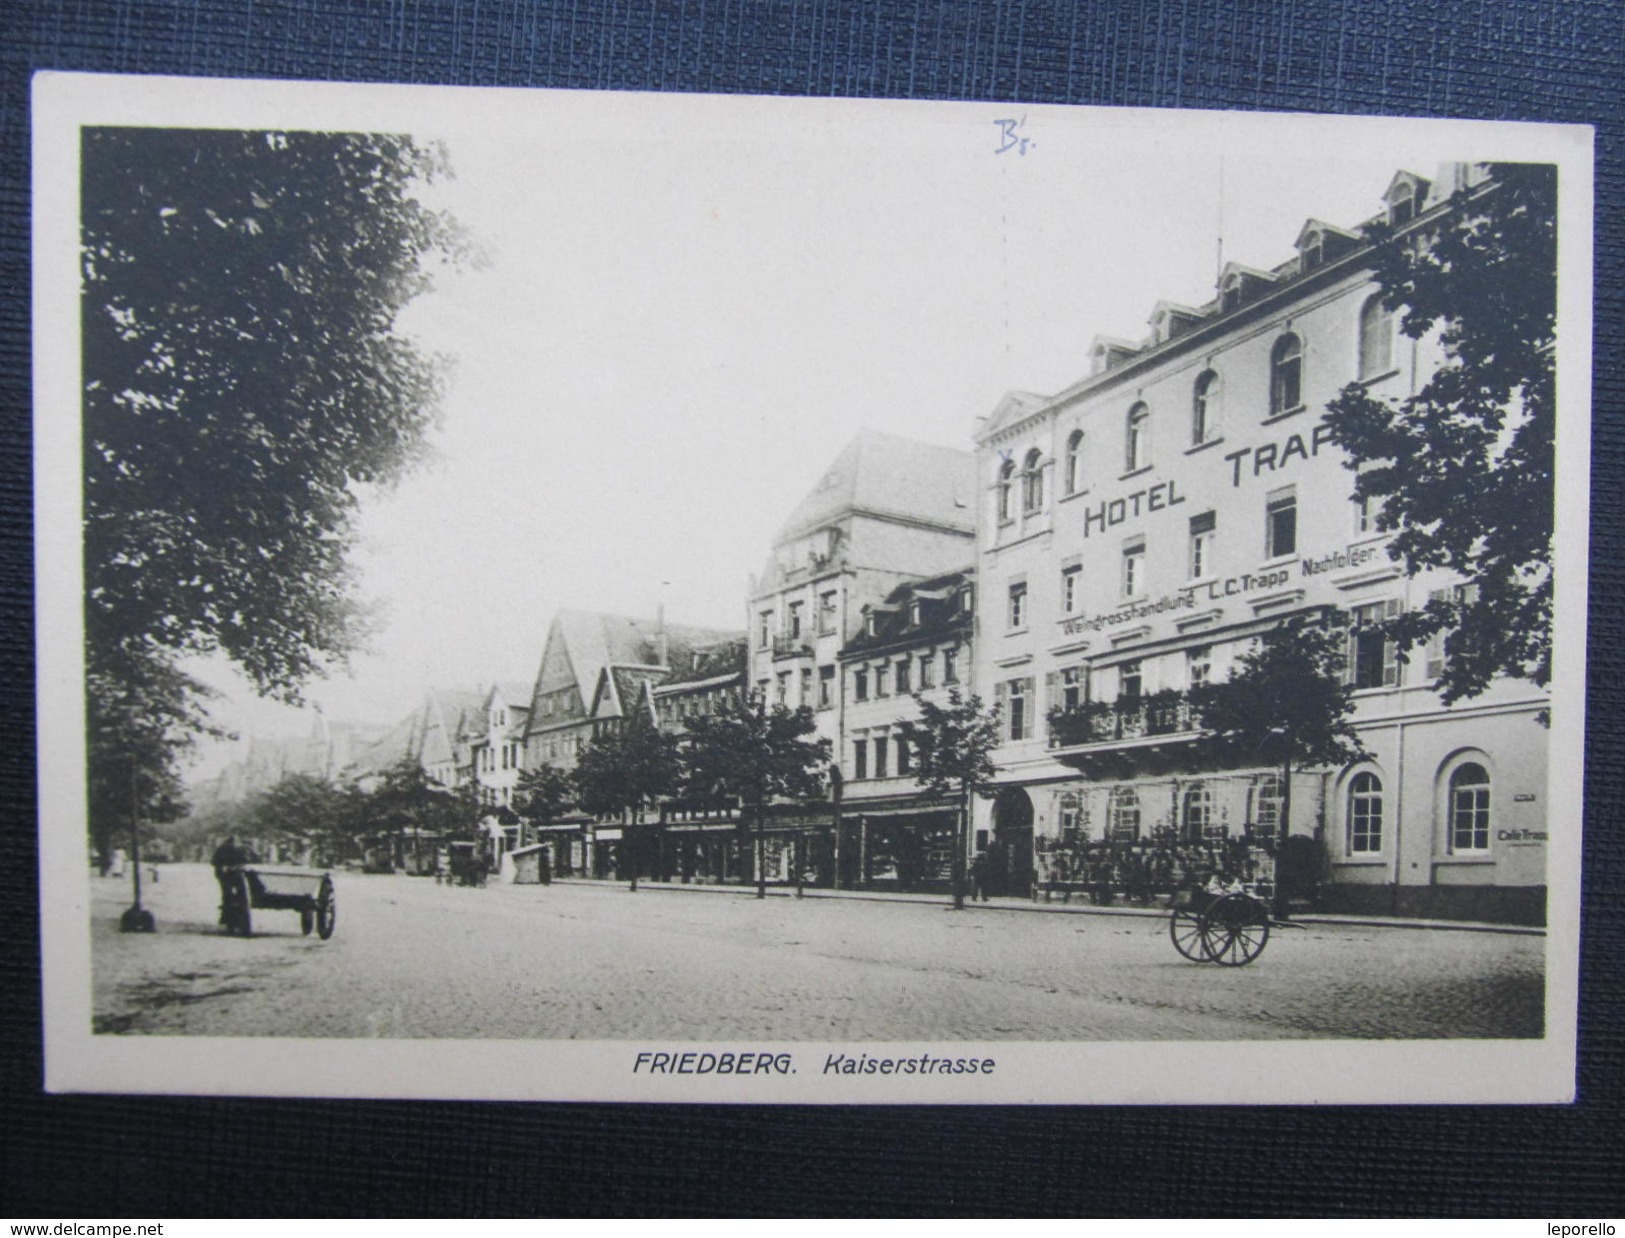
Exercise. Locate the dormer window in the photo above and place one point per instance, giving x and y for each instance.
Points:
(1405, 198)
(1107, 352)
(1230, 294)
(869, 621)
(914, 609)
(1313, 252)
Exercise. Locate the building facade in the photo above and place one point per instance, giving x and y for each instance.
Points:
(888, 511)
(916, 640)
(594, 667)
(1144, 526)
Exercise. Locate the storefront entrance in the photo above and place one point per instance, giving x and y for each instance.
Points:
(1009, 862)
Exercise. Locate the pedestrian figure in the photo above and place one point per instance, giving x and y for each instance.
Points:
(1045, 875)
(228, 856)
(979, 877)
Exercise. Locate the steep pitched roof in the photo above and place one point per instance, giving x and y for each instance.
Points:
(879, 472)
(581, 643)
(622, 690)
(708, 662)
(404, 739)
(442, 716)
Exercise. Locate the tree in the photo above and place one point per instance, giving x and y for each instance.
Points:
(952, 748)
(304, 808)
(1463, 469)
(1287, 702)
(543, 794)
(243, 388)
(621, 773)
(755, 755)
(406, 798)
(144, 714)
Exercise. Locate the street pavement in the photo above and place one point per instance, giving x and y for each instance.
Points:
(593, 961)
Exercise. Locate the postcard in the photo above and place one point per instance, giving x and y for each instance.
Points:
(601, 596)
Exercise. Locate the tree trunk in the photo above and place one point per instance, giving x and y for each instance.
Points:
(1280, 900)
(961, 845)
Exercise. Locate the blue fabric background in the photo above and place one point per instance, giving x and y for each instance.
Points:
(83, 1157)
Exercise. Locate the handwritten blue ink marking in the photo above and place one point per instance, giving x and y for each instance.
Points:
(1012, 139)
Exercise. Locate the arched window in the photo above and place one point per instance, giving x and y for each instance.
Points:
(1123, 814)
(1469, 808)
(1197, 820)
(1365, 814)
(1286, 374)
(1376, 338)
(1006, 477)
(1137, 442)
(1074, 462)
(1204, 408)
(1264, 805)
(1032, 482)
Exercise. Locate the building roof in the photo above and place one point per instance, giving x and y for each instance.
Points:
(884, 474)
(582, 643)
(710, 662)
(1016, 407)
(940, 614)
(442, 718)
(403, 739)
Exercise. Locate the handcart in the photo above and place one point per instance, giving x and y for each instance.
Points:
(1229, 927)
(308, 891)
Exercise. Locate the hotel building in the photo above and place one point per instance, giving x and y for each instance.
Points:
(1140, 529)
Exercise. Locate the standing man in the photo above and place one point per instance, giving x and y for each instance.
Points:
(227, 857)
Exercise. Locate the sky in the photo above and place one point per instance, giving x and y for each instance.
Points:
(689, 306)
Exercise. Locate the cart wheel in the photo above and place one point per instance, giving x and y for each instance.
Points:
(327, 910)
(307, 920)
(1237, 929)
(1187, 930)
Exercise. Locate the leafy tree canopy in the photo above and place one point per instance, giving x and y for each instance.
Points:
(622, 771)
(952, 745)
(243, 385)
(1286, 701)
(1463, 469)
(755, 754)
(543, 794)
(407, 797)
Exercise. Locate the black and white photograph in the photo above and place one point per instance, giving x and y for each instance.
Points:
(595, 596)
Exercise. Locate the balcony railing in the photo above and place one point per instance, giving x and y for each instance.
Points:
(1108, 722)
(785, 646)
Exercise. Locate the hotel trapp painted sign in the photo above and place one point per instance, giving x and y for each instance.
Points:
(1251, 461)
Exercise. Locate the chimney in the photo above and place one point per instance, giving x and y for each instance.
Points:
(660, 636)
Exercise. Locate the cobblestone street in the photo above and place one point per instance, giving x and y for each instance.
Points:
(585, 961)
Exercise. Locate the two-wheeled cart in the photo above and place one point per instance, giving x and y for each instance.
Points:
(1229, 927)
(250, 887)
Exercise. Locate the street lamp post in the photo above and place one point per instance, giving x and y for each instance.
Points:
(136, 918)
